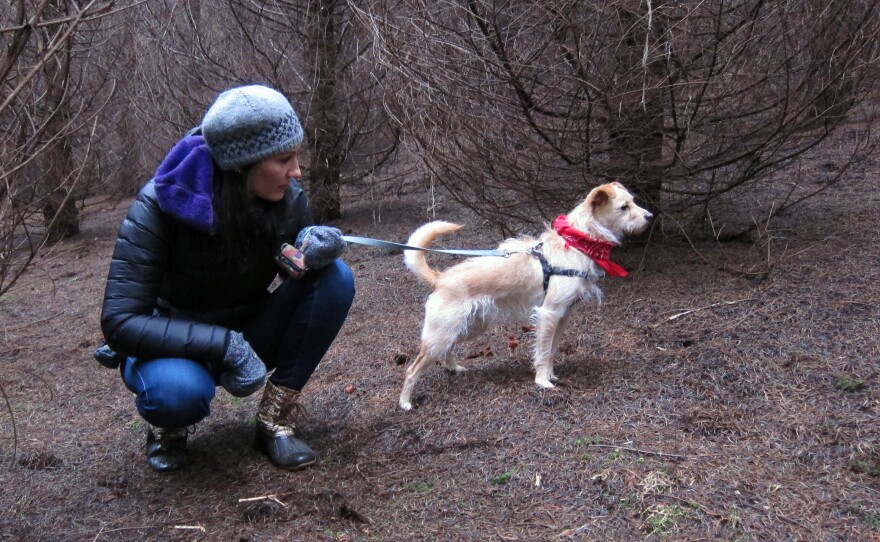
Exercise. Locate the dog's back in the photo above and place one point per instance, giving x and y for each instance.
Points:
(423, 237)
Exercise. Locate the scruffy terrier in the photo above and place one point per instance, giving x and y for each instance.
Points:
(542, 278)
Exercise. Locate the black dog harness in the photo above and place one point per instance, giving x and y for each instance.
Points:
(550, 271)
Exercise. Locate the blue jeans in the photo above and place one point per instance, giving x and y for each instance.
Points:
(291, 331)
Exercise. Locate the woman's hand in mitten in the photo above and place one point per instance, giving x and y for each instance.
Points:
(243, 370)
(320, 245)
(107, 357)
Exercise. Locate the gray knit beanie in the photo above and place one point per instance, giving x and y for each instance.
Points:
(247, 124)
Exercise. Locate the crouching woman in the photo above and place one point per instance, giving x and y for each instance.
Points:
(192, 299)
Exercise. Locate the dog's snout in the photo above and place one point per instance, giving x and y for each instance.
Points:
(648, 216)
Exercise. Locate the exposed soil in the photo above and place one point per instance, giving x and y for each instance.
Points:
(720, 393)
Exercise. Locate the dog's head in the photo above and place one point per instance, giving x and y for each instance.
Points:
(611, 207)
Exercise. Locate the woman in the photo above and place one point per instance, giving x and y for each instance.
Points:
(188, 304)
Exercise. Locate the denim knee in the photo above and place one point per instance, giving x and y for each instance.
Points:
(170, 392)
(329, 290)
(338, 280)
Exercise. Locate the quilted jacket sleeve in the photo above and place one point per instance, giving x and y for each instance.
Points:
(129, 320)
(299, 213)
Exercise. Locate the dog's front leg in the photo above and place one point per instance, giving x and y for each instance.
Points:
(547, 322)
(557, 337)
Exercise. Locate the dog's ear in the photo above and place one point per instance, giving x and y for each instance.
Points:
(599, 196)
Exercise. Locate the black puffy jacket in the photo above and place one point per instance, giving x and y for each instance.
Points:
(170, 293)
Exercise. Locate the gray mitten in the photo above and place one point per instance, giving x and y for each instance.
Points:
(107, 357)
(243, 370)
(320, 245)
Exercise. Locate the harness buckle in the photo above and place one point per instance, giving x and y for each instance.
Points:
(535, 250)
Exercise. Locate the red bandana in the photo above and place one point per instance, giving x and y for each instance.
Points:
(598, 250)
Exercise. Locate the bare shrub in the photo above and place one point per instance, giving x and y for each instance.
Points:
(312, 50)
(523, 104)
(47, 120)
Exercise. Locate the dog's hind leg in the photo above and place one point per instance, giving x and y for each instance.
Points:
(467, 322)
(452, 365)
(413, 372)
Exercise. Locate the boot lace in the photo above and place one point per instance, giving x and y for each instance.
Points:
(169, 437)
(290, 409)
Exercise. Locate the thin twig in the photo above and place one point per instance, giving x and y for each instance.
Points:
(190, 527)
(638, 451)
(272, 498)
(6, 354)
(357, 468)
(12, 419)
(252, 499)
(506, 538)
(29, 324)
(691, 502)
(574, 531)
(691, 311)
(119, 529)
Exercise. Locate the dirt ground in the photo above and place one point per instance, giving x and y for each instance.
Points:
(720, 393)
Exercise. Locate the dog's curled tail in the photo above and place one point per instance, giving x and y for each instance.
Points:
(423, 237)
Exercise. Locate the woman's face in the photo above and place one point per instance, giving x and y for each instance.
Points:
(268, 179)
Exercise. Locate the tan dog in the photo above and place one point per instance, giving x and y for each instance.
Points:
(470, 297)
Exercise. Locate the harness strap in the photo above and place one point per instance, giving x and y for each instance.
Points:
(388, 244)
(550, 271)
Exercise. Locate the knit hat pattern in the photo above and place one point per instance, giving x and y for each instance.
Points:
(247, 124)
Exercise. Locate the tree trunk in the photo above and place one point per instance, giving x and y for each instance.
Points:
(60, 215)
(325, 168)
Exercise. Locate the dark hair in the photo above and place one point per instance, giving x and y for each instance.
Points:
(247, 223)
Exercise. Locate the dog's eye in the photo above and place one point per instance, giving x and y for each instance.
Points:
(624, 207)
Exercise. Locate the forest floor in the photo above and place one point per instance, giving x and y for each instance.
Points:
(721, 392)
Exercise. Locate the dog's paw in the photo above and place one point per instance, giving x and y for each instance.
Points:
(405, 405)
(544, 383)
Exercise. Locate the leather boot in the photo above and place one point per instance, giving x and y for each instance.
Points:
(275, 429)
(166, 449)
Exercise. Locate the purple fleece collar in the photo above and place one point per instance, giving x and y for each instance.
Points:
(185, 184)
